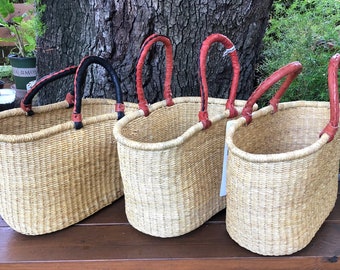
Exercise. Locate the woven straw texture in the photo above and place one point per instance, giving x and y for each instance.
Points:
(52, 175)
(171, 154)
(171, 168)
(54, 171)
(282, 178)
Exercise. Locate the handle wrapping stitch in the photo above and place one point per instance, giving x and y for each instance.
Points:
(80, 79)
(290, 71)
(333, 86)
(26, 102)
(230, 49)
(142, 103)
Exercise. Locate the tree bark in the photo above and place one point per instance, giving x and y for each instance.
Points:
(116, 29)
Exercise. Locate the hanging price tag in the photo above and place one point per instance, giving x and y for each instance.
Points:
(223, 188)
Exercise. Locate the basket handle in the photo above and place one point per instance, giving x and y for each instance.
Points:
(147, 44)
(291, 71)
(26, 102)
(79, 81)
(230, 49)
(333, 85)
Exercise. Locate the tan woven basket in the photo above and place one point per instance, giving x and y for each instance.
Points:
(171, 161)
(52, 175)
(282, 177)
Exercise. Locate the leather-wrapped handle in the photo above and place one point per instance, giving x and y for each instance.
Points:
(26, 102)
(147, 44)
(230, 49)
(291, 71)
(79, 82)
(333, 90)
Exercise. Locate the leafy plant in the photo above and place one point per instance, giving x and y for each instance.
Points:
(307, 31)
(5, 71)
(24, 28)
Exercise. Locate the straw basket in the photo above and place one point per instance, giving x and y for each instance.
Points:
(282, 175)
(170, 160)
(52, 175)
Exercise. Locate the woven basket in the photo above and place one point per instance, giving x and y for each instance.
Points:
(282, 177)
(52, 175)
(171, 161)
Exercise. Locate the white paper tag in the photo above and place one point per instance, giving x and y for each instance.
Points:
(223, 188)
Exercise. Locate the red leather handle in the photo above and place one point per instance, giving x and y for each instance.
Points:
(203, 114)
(333, 88)
(142, 103)
(291, 71)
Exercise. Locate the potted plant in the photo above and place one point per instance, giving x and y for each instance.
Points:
(24, 28)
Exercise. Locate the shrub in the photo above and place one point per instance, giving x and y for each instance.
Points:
(307, 31)
(24, 28)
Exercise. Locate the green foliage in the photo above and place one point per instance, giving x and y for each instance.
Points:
(5, 71)
(307, 31)
(24, 28)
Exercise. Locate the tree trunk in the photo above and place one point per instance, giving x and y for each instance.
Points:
(116, 29)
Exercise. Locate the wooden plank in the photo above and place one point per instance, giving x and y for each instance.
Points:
(106, 241)
(122, 242)
(281, 263)
(122, 246)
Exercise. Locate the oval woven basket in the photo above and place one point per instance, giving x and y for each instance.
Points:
(171, 159)
(52, 175)
(282, 176)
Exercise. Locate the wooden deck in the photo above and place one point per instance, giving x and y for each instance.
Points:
(107, 241)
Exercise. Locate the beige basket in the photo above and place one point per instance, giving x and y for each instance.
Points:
(52, 175)
(170, 161)
(282, 178)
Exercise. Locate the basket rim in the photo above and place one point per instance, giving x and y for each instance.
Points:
(120, 138)
(286, 156)
(67, 125)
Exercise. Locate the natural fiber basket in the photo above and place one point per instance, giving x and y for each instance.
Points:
(171, 161)
(282, 176)
(52, 175)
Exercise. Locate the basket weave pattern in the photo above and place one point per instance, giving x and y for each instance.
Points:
(276, 207)
(52, 175)
(172, 185)
(283, 166)
(171, 154)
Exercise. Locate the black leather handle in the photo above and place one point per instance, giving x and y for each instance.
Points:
(79, 83)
